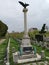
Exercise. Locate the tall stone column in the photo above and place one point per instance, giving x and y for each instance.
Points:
(25, 21)
(25, 45)
(26, 39)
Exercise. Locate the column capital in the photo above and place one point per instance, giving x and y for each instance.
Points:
(25, 10)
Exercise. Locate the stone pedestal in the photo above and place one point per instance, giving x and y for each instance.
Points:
(7, 63)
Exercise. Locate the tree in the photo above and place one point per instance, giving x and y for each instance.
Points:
(43, 29)
(3, 29)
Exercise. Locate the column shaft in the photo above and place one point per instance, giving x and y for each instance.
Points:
(25, 23)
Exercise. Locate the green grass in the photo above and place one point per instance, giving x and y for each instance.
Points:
(39, 49)
(2, 51)
(41, 64)
(47, 52)
(14, 44)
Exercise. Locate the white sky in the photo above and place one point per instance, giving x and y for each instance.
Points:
(12, 15)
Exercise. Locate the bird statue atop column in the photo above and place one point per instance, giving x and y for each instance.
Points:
(23, 4)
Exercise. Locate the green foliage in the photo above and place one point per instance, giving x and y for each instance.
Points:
(3, 29)
(39, 49)
(3, 47)
(17, 35)
(32, 34)
(47, 34)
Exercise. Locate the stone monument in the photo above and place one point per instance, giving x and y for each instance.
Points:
(26, 52)
(26, 46)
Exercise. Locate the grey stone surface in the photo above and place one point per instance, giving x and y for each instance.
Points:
(7, 63)
(45, 63)
(42, 54)
(34, 64)
(8, 47)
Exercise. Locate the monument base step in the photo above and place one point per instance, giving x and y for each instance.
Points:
(25, 58)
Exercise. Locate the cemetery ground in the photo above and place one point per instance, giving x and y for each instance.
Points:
(15, 44)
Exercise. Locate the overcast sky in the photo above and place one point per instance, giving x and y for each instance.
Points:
(12, 15)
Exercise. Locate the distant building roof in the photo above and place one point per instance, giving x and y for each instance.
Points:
(32, 29)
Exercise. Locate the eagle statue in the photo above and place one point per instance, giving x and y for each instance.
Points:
(23, 4)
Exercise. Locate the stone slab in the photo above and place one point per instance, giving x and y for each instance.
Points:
(18, 60)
